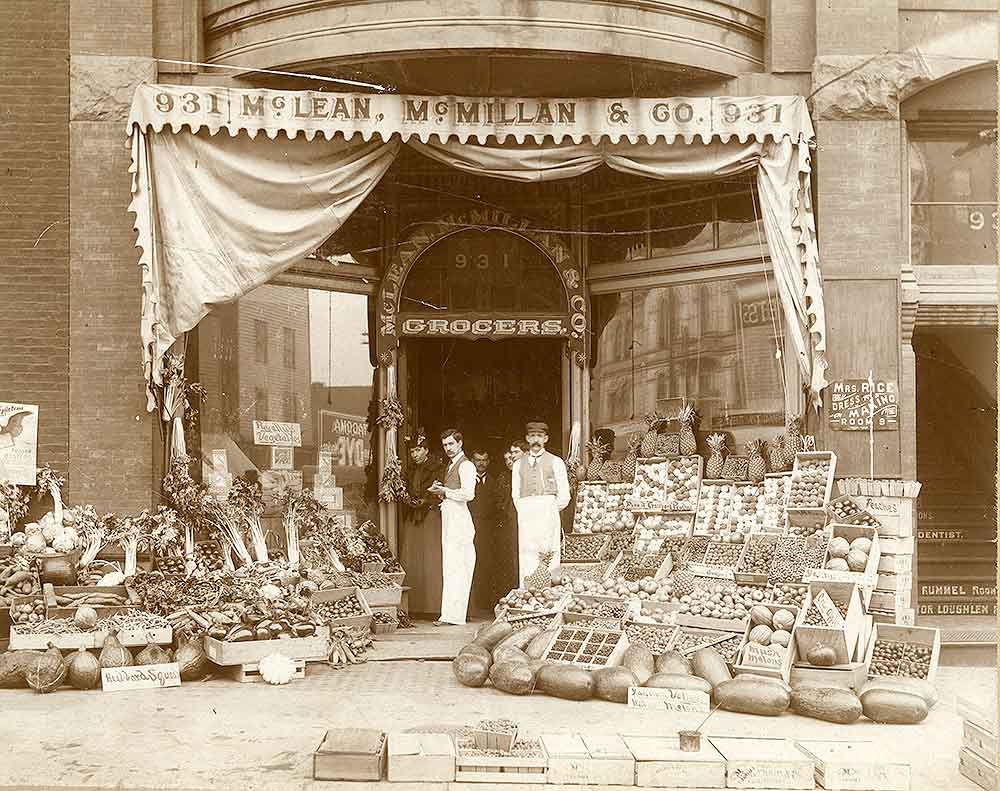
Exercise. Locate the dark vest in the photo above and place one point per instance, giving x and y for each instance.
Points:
(452, 480)
(540, 479)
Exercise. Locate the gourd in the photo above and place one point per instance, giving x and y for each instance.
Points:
(917, 686)
(568, 683)
(539, 643)
(276, 669)
(519, 639)
(13, 666)
(640, 660)
(493, 633)
(678, 681)
(612, 683)
(47, 671)
(760, 615)
(515, 678)
(85, 617)
(114, 654)
(510, 654)
(152, 654)
(83, 670)
(477, 650)
(753, 695)
(709, 665)
(821, 656)
(471, 669)
(191, 660)
(830, 704)
(893, 706)
(673, 662)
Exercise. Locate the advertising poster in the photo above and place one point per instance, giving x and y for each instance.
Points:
(18, 443)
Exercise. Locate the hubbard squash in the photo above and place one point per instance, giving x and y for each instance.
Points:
(47, 671)
(13, 667)
(471, 669)
(114, 654)
(612, 683)
(567, 682)
(152, 654)
(892, 706)
(748, 694)
(821, 655)
(83, 670)
(515, 678)
(830, 704)
(709, 664)
(640, 661)
(493, 633)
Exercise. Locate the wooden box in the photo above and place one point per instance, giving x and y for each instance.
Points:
(660, 763)
(524, 767)
(396, 576)
(980, 741)
(421, 758)
(895, 514)
(785, 766)
(781, 670)
(501, 741)
(854, 766)
(250, 673)
(893, 545)
(867, 578)
(336, 594)
(576, 759)
(980, 772)
(383, 597)
(252, 651)
(853, 676)
(894, 564)
(64, 642)
(592, 652)
(842, 640)
(918, 635)
(811, 456)
(160, 635)
(718, 624)
(890, 583)
(117, 590)
(691, 507)
(985, 718)
(350, 754)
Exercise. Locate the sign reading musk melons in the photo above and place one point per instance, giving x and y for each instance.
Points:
(480, 327)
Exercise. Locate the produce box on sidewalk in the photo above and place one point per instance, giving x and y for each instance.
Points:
(421, 758)
(362, 616)
(904, 651)
(837, 629)
(576, 759)
(848, 766)
(660, 763)
(250, 652)
(764, 763)
(350, 754)
(526, 763)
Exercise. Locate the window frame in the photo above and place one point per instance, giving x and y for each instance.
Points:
(262, 341)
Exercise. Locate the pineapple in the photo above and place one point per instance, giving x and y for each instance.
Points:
(758, 466)
(793, 438)
(683, 584)
(687, 418)
(713, 468)
(612, 472)
(541, 577)
(667, 445)
(631, 456)
(654, 420)
(599, 453)
(776, 454)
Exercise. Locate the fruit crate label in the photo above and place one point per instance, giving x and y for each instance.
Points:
(756, 655)
(715, 572)
(681, 700)
(828, 610)
(121, 679)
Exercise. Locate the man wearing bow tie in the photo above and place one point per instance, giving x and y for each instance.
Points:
(458, 534)
(485, 518)
(540, 490)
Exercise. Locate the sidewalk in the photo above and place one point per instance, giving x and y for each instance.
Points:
(220, 734)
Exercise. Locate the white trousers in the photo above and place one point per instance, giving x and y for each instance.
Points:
(539, 529)
(458, 560)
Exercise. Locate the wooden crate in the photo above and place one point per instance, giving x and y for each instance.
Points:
(853, 676)
(814, 455)
(336, 594)
(893, 545)
(865, 579)
(160, 635)
(372, 566)
(383, 597)
(785, 767)
(350, 754)
(631, 605)
(396, 576)
(894, 564)
(660, 763)
(842, 640)
(57, 590)
(919, 635)
(980, 772)
(473, 768)
(250, 673)
(890, 583)
(847, 500)
(716, 624)
(784, 669)
(980, 741)
(665, 634)
(252, 651)
(576, 759)
(854, 766)
(985, 718)
(64, 642)
(616, 640)
(421, 758)
(678, 508)
(601, 552)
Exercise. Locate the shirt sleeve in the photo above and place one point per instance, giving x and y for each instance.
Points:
(466, 493)
(562, 483)
(515, 482)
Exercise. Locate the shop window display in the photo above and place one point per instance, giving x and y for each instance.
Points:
(318, 376)
(712, 343)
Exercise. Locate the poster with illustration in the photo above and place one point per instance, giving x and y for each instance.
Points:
(18, 443)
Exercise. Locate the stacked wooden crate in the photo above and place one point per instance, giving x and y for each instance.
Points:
(978, 757)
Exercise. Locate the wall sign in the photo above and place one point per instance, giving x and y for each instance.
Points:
(18, 443)
(495, 327)
(271, 432)
(850, 405)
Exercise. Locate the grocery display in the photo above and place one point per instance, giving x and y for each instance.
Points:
(749, 510)
(682, 479)
(789, 561)
(649, 488)
(812, 479)
(890, 658)
(776, 488)
(601, 508)
(720, 553)
(843, 507)
(759, 554)
(661, 533)
(584, 547)
(715, 508)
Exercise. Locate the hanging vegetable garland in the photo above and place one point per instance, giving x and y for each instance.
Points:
(392, 487)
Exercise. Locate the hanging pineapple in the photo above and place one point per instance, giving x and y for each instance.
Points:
(793, 438)
(757, 467)
(776, 454)
(631, 456)
(654, 421)
(713, 467)
(541, 577)
(599, 452)
(687, 417)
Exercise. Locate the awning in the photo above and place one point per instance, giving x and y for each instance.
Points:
(218, 215)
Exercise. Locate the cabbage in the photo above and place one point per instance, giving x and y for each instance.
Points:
(35, 542)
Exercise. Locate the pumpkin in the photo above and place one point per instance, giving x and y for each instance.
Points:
(192, 660)
(114, 654)
(760, 615)
(85, 618)
(13, 666)
(276, 669)
(83, 670)
(47, 671)
(152, 654)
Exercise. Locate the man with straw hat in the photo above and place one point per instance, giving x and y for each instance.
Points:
(540, 490)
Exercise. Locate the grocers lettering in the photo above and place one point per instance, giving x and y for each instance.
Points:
(392, 325)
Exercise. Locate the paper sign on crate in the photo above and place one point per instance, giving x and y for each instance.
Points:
(769, 656)
(831, 615)
(682, 700)
(122, 679)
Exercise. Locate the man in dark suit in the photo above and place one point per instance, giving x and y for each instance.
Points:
(485, 517)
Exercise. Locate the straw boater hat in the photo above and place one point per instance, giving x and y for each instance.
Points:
(536, 427)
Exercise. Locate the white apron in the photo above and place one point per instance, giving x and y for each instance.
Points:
(458, 560)
(539, 529)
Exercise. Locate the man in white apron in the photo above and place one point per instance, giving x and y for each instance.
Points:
(458, 549)
(540, 490)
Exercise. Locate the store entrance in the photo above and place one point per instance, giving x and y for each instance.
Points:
(486, 389)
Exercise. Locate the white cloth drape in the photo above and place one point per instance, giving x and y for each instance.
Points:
(218, 216)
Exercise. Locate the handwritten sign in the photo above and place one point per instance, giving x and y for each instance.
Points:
(681, 700)
(831, 575)
(827, 609)
(18, 443)
(122, 679)
(282, 458)
(271, 432)
(715, 572)
(220, 461)
(756, 655)
(851, 405)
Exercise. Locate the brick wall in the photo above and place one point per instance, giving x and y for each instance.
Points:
(34, 216)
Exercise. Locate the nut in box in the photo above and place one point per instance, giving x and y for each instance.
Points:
(499, 735)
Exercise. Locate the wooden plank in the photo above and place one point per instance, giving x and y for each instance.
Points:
(588, 760)
(350, 754)
(660, 763)
(854, 766)
(252, 651)
(973, 712)
(421, 758)
(980, 741)
(980, 772)
(914, 635)
(852, 676)
(250, 673)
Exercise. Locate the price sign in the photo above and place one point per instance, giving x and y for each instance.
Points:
(682, 700)
(715, 572)
(756, 655)
(831, 615)
(122, 679)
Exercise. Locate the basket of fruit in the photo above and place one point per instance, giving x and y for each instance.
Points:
(767, 648)
(500, 735)
(342, 607)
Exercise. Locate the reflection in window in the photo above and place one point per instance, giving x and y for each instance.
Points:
(712, 343)
(322, 381)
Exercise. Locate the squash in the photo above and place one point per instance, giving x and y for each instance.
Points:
(477, 650)
(114, 654)
(471, 669)
(673, 662)
(821, 655)
(566, 682)
(612, 683)
(13, 666)
(276, 669)
(85, 618)
(709, 665)
(678, 681)
(518, 639)
(830, 704)
(539, 643)
(893, 706)
(492, 633)
(515, 678)
(192, 660)
(510, 654)
(83, 670)
(152, 654)
(640, 660)
(748, 694)
(47, 671)
(920, 686)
